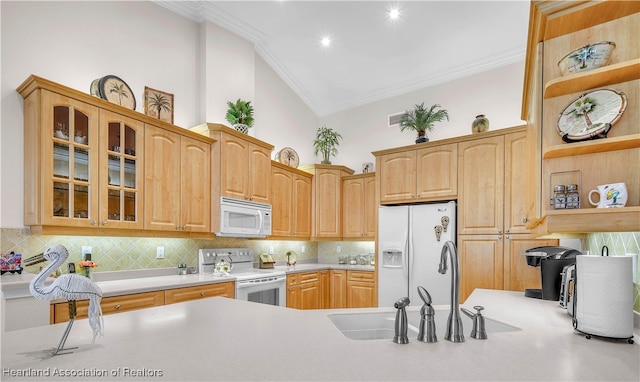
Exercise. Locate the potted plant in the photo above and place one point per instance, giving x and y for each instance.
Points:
(326, 141)
(421, 120)
(240, 115)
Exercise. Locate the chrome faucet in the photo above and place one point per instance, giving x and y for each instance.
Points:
(401, 325)
(454, 322)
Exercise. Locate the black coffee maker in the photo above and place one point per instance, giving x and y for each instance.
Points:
(551, 261)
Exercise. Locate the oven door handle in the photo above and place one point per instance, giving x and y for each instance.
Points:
(248, 283)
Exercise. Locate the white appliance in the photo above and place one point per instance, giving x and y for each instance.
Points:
(244, 218)
(266, 286)
(409, 251)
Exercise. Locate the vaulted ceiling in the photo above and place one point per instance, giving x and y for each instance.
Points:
(370, 57)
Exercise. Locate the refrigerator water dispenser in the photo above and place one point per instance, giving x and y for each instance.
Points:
(392, 258)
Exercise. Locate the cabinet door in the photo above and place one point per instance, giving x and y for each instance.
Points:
(282, 202)
(338, 289)
(301, 206)
(360, 294)
(516, 201)
(234, 173)
(353, 205)
(225, 289)
(310, 295)
(162, 179)
(328, 202)
(481, 176)
(121, 169)
(397, 176)
(259, 169)
(370, 208)
(69, 166)
(325, 289)
(109, 305)
(481, 263)
(195, 175)
(518, 275)
(437, 172)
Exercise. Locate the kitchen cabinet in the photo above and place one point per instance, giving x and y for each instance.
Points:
(560, 28)
(240, 167)
(361, 289)
(338, 289)
(109, 305)
(177, 182)
(304, 290)
(409, 174)
(326, 196)
(84, 161)
(325, 289)
(290, 202)
(359, 206)
(225, 289)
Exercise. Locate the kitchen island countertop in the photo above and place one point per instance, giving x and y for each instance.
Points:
(225, 339)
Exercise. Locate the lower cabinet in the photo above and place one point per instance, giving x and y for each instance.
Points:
(227, 289)
(124, 303)
(361, 289)
(304, 290)
(338, 288)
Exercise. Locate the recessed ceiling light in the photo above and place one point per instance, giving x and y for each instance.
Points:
(394, 13)
(325, 41)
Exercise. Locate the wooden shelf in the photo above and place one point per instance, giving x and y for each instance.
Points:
(625, 219)
(607, 75)
(590, 147)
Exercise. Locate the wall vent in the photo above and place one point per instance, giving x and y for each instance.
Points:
(393, 120)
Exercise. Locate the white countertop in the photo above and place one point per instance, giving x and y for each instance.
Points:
(224, 339)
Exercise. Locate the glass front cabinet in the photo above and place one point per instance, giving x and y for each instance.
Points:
(84, 165)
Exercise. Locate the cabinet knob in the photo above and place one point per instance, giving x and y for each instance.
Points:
(499, 231)
(500, 237)
(184, 227)
(117, 307)
(508, 237)
(507, 231)
(202, 294)
(178, 227)
(104, 222)
(525, 219)
(93, 222)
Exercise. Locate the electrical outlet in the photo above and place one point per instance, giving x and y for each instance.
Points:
(271, 250)
(302, 249)
(160, 253)
(338, 248)
(86, 249)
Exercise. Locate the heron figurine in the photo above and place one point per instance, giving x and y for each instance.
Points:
(70, 286)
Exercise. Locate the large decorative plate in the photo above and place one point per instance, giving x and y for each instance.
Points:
(113, 89)
(591, 115)
(288, 156)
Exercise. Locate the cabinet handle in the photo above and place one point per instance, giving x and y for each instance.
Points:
(104, 222)
(184, 227)
(500, 237)
(93, 222)
(507, 231)
(499, 231)
(508, 237)
(117, 307)
(525, 219)
(202, 294)
(178, 227)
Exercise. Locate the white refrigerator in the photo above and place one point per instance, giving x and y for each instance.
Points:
(410, 241)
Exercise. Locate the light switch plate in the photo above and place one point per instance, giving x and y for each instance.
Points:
(160, 253)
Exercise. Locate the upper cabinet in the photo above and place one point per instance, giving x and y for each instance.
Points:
(327, 199)
(84, 161)
(423, 172)
(291, 202)
(359, 206)
(557, 28)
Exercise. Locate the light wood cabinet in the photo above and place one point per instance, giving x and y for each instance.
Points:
(109, 305)
(85, 162)
(361, 289)
(338, 289)
(177, 182)
(290, 202)
(241, 167)
(359, 206)
(326, 199)
(560, 28)
(325, 289)
(304, 290)
(225, 289)
(410, 174)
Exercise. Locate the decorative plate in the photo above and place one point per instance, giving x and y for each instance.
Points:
(113, 89)
(591, 115)
(289, 157)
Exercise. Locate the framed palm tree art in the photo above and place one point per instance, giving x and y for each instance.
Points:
(158, 104)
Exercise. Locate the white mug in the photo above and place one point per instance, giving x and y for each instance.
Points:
(611, 195)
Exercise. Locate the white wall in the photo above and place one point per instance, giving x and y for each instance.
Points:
(496, 93)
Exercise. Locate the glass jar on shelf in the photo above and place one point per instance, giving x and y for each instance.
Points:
(559, 201)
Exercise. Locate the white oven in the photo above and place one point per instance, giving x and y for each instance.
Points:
(265, 288)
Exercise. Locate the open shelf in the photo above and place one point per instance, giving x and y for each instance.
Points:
(606, 75)
(624, 219)
(595, 146)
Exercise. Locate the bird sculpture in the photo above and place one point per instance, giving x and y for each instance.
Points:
(70, 286)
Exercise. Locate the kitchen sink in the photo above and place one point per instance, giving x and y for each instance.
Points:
(380, 325)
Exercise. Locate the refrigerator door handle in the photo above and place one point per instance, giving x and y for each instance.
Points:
(409, 261)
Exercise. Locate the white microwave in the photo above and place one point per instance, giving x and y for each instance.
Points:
(243, 218)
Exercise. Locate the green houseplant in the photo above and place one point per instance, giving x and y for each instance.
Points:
(240, 115)
(326, 141)
(421, 120)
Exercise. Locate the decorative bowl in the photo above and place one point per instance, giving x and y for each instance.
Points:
(81, 139)
(61, 134)
(588, 57)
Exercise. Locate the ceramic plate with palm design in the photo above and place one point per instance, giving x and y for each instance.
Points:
(288, 156)
(114, 89)
(591, 115)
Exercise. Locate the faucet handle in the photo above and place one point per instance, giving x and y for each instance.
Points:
(479, 309)
(424, 295)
